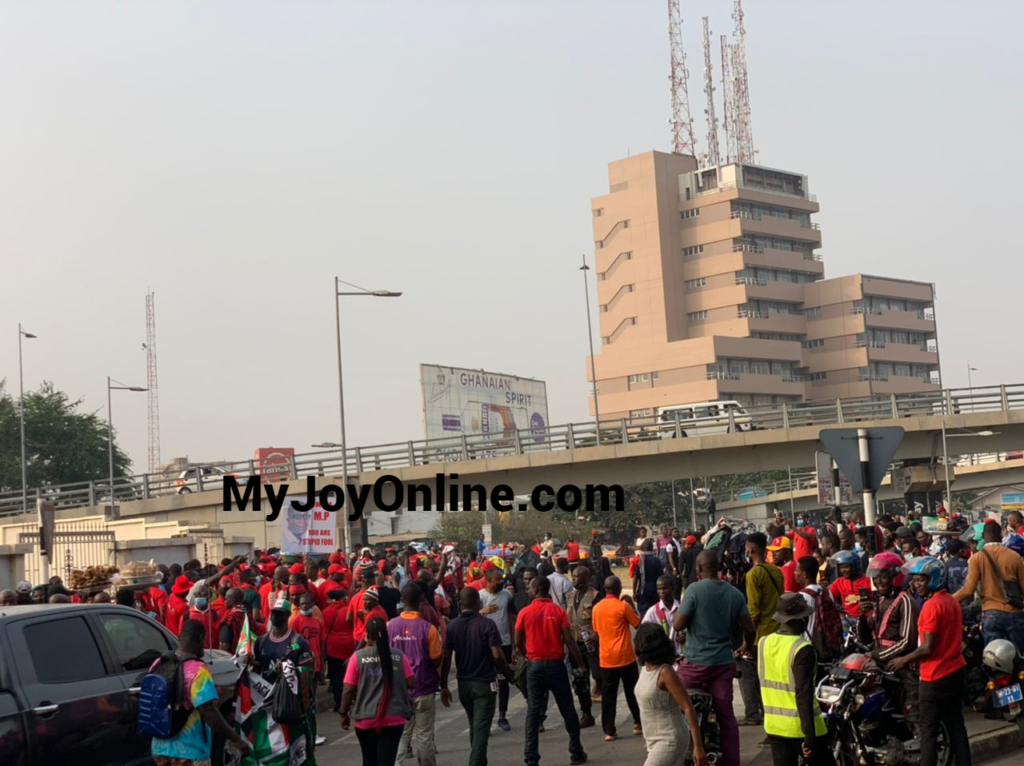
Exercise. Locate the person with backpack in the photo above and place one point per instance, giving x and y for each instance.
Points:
(764, 585)
(825, 623)
(999, 572)
(178, 704)
(889, 621)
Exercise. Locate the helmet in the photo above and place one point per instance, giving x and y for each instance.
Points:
(847, 557)
(1000, 655)
(931, 566)
(884, 562)
(1015, 543)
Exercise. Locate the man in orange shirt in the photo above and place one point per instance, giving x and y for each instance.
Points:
(612, 618)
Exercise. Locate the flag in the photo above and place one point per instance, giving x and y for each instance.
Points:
(246, 639)
(273, 744)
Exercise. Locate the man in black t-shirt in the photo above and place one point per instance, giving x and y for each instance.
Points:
(476, 641)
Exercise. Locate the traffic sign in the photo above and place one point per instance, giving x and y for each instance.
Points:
(844, 445)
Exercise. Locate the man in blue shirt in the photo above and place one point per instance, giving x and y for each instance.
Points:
(714, 614)
(481, 547)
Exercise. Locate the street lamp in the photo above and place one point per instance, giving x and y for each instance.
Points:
(338, 293)
(969, 371)
(945, 457)
(22, 333)
(590, 339)
(110, 435)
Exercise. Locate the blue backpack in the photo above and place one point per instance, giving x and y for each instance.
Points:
(162, 711)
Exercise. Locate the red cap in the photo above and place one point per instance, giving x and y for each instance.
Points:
(335, 558)
(296, 590)
(690, 540)
(336, 569)
(182, 585)
(487, 566)
(296, 569)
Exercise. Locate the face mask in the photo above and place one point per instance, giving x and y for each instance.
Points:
(279, 619)
(799, 522)
(201, 603)
(857, 547)
(307, 612)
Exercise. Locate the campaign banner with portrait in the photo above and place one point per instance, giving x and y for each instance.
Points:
(312, 531)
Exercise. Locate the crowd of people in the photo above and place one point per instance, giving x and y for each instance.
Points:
(385, 630)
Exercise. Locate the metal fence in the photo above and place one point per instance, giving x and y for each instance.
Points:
(572, 436)
(76, 545)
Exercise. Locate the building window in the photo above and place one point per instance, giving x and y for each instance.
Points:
(598, 212)
(642, 378)
(816, 376)
(695, 250)
(655, 375)
(640, 413)
(817, 343)
(684, 214)
(812, 312)
(696, 284)
(697, 316)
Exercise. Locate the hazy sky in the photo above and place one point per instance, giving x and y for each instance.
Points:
(235, 156)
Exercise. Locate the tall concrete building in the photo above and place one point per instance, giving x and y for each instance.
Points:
(711, 287)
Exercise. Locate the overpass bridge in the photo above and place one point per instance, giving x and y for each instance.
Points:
(618, 452)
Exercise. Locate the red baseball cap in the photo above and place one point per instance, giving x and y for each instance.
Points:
(336, 569)
(296, 569)
(296, 590)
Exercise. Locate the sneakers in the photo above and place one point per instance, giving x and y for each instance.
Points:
(504, 725)
(577, 759)
(319, 741)
(586, 721)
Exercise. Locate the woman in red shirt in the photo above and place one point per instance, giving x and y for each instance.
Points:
(340, 644)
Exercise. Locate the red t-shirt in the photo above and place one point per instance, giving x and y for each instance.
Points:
(542, 621)
(942, 617)
(158, 600)
(572, 550)
(803, 547)
(312, 629)
(789, 577)
(175, 613)
(211, 620)
(846, 592)
(359, 623)
(340, 643)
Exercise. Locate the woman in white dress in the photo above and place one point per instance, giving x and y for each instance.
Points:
(661, 695)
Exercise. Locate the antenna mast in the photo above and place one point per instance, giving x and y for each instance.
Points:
(713, 158)
(152, 396)
(741, 89)
(683, 141)
(728, 107)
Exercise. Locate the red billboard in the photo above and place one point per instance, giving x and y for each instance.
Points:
(274, 464)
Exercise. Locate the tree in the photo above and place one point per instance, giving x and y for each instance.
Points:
(63, 444)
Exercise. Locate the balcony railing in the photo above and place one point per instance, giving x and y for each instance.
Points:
(870, 343)
(751, 314)
(752, 281)
(744, 248)
(722, 375)
(875, 376)
(745, 214)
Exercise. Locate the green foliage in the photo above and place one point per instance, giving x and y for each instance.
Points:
(63, 445)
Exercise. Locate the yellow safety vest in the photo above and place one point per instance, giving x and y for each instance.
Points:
(775, 654)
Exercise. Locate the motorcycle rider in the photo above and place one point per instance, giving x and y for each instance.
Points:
(889, 622)
(943, 679)
(845, 590)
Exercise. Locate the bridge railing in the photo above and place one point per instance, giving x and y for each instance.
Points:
(571, 436)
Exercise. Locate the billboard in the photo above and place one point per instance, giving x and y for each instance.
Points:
(1012, 501)
(312, 531)
(459, 402)
(274, 464)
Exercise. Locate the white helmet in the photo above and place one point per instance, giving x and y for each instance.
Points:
(1000, 655)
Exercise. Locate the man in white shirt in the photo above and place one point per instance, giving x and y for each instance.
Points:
(561, 585)
(806, 577)
(664, 612)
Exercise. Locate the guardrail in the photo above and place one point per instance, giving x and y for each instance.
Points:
(571, 436)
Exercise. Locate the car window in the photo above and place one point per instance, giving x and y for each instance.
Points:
(64, 651)
(137, 640)
(191, 474)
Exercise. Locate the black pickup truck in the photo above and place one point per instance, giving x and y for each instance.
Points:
(69, 677)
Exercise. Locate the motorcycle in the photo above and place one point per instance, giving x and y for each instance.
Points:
(1004, 690)
(710, 730)
(867, 727)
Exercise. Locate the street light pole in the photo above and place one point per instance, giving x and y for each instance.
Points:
(969, 371)
(945, 467)
(341, 395)
(22, 333)
(590, 339)
(110, 436)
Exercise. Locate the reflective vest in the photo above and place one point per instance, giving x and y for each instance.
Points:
(775, 655)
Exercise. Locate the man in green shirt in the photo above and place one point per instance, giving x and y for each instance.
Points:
(764, 586)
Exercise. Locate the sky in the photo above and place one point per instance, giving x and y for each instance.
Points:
(234, 157)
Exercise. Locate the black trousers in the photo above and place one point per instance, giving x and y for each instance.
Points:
(942, 702)
(629, 675)
(787, 751)
(336, 676)
(379, 746)
(504, 683)
(582, 685)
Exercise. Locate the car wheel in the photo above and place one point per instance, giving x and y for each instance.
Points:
(184, 490)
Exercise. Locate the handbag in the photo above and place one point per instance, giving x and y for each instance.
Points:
(1011, 590)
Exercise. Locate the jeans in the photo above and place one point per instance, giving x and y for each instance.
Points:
(478, 701)
(1009, 625)
(503, 683)
(379, 746)
(941, 702)
(420, 731)
(717, 681)
(787, 751)
(582, 685)
(543, 676)
(336, 675)
(750, 690)
(629, 675)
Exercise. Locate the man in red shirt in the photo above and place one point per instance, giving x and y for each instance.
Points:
(311, 628)
(782, 557)
(177, 607)
(364, 608)
(572, 552)
(272, 589)
(939, 651)
(336, 580)
(846, 589)
(542, 636)
(805, 539)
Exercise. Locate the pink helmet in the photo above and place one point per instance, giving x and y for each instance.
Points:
(887, 562)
